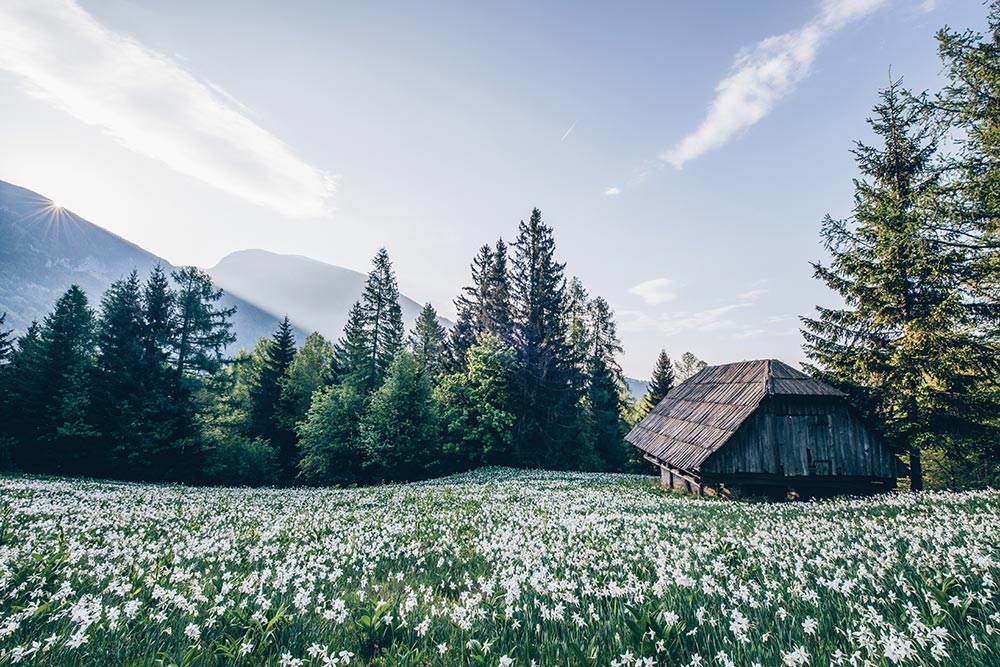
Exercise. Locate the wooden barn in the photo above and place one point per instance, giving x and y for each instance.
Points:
(763, 428)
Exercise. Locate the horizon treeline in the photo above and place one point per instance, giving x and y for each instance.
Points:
(139, 387)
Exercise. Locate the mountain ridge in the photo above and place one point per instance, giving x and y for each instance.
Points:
(46, 248)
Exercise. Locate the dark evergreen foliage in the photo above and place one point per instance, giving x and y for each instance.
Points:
(606, 388)
(428, 342)
(399, 430)
(905, 345)
(548, 426)
(6, 342)
(203, 330)
(120, 393)
(374, 332)
(485, 305)
(266, 409)
(53, 390)
(660, 384)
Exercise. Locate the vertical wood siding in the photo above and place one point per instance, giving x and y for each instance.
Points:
(804, 437)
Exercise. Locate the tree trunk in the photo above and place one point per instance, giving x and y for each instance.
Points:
(916, 470)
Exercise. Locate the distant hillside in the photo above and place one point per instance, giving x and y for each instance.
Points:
(315, 295)
(45, 249)
(637, 388)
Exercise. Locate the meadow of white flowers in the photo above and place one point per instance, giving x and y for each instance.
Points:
(493, 568)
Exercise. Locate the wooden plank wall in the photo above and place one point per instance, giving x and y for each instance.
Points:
(804, 437)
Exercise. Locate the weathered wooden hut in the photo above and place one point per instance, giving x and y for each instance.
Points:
(762, 427)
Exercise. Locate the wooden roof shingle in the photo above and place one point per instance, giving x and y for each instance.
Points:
(698, 416)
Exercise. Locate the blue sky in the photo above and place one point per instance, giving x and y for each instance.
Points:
(684, 152)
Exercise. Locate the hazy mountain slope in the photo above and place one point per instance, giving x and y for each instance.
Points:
(44, 249)
(317, 296)
(637, 388)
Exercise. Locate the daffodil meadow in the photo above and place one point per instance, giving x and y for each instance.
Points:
(497, 567)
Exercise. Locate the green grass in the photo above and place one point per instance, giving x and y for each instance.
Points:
(495, 567)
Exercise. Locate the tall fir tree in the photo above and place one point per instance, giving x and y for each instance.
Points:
(605, 397)
(168, 420)
(548, 424)
(374, 332)
(159, 301)
(485, 305)
(577, 317)
(497, 317)
(471, 308)
(6, 342)
(903, 346)
(120, 391)
(55, 386)
(970, 106)
(659, 385)
(969, 227)
(6, 397)
(428, 342)
(25, 398)
(266, 412)
(203, 329)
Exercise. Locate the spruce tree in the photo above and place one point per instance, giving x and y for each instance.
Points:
(55, 385)
(26, 396)
(485, 305)
(120, 392)
(903, 346)
(496, 296)
(374, 332)
(548, 425)
(203, 330)
(471, 308)
(968, 224)
(579, 330)
(159, 302)
(6, 397)
(660, 384)
(428, 342)
(605, 387)
(970, 217)
(266, 420)
(168, 423)
(6, 342)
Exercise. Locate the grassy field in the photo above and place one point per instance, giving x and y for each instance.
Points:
(492, 568)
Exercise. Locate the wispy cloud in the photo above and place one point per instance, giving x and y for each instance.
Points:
(568, 132)
(150, 104)
(612, 191)
(762, 75)
(719, 318)
(656, 291)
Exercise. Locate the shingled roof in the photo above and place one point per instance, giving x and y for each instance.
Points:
(700, 415)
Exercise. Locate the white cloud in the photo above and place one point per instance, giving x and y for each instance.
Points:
(612, 191)
(150, 104)
(722, 318)
(763, 75)
(656, 291)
